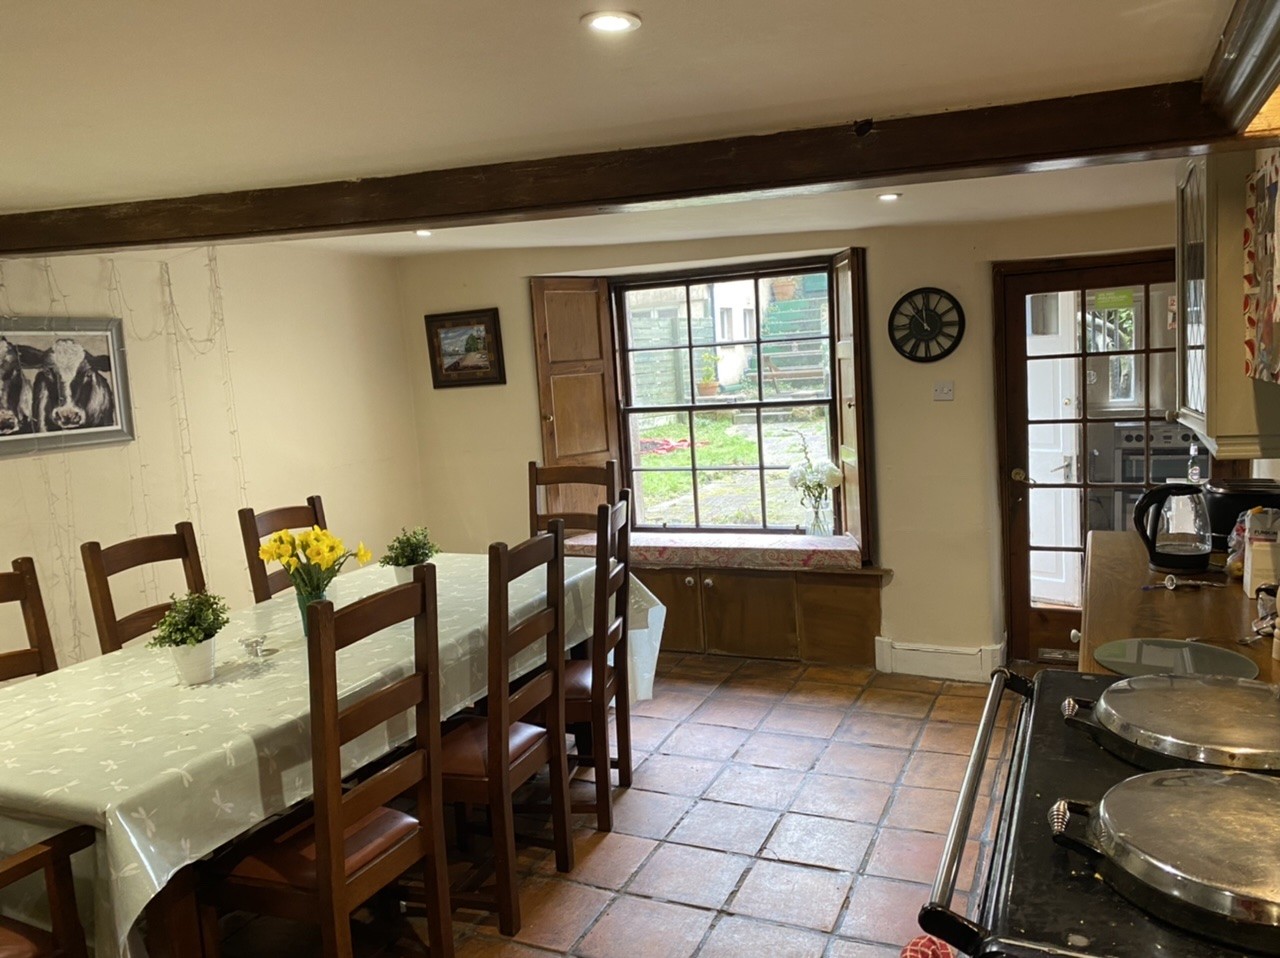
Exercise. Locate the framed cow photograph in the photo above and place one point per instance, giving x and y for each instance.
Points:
(63, 383)
(465, 349)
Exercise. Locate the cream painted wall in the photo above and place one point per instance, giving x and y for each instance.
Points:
(319, 393)
(935, 463)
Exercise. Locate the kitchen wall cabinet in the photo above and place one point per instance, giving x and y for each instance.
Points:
(830, 618)
(1238, 417)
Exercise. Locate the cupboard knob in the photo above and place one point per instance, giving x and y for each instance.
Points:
(688, 580)
(707, 583)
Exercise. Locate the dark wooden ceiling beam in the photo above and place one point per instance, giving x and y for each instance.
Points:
(1245, 69)
(1115, 126)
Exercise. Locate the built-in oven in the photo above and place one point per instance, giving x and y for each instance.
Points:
(1170, 452)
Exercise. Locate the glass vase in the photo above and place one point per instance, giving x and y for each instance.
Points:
(820, 521)
(304, 600)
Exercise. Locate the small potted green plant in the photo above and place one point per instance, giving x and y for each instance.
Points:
(410, 548)
(709, 382)
(188, 629)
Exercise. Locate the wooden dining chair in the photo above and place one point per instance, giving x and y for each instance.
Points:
(566, 494)
(323, 863)
(22, 586)
(591, 684)
(53, 857)
(256, 526)
(100, 564)
(486, 758)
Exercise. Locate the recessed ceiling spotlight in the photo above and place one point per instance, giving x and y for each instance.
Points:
(889, 197)
(423, 233)
(612, 21)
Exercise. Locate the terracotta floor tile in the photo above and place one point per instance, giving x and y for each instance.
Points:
(767, 686)
(843, 948)
(690, 875)
(604, 859)
(738, 711)
(873, 728)
(824, 695)
(839, 674)
(863, 761)
(754, 786)
(737, 937)
(883, 910)
(654, 929)
(953, 738)
(773, 750)
(647, 732)
(941, 770)
(833, 796)
(893, 702)
(555, 913)
(770, 669)
(930, 810)
(825, 842)
(914, 856)
(479, 946)
(792, 894)
(675, 774)
(973, 689)
(906, 683)
(709, 665)
(718, 742)
(729, 828)
(669, 705)
(794, 720)
(647, 814)
(957, 708)
(702, 685)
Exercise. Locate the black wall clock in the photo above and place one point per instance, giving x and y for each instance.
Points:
(926, 325)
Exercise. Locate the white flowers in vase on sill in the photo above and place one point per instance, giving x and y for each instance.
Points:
(814, 480)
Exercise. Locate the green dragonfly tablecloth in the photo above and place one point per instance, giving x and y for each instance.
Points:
(168, 773)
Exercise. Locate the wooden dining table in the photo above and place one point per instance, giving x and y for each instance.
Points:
(167, 773)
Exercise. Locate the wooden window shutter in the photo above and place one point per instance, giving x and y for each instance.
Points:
(577, 382)
(853, 397)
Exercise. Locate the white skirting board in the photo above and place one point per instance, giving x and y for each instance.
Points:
(965, 664)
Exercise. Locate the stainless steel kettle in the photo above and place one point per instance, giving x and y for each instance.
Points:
(1173, 522)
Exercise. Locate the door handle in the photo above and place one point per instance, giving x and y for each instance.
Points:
(707, 583)
(547, 417)
(1020, 475)
(689, 581)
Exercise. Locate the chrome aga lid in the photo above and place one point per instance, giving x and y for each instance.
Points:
(1205, 719)
(1198, 847)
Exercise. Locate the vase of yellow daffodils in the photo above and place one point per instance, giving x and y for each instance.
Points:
(312, 559)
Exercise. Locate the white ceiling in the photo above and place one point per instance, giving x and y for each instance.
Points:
(127, 99)
(990, 198)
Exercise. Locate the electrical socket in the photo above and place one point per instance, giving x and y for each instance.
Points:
(944, 390)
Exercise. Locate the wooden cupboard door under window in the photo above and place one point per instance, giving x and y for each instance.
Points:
(751, 614)
(577, 386)
(680, 591)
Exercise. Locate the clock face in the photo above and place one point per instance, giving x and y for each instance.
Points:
(926, 325)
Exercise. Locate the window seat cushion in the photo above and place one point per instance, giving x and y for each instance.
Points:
(734, 550)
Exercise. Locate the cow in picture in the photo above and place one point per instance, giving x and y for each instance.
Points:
(15, 392)
(70, 391)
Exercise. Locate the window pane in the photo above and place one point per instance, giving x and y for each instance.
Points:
(1113, 386)
(702, 319)
(1113, 319)
(663, 498)
(1117, 452)
(660, 377)
(794, 306)
(657, 317)
(1164, 383)
(733, 304)
(1111, 510)
(1163, 315)
(1052, 391)
(1053, 452)
(726, 373)
(785, 510)
(1055, 579)
(660, 440)
(783, 429)
(797, 370)
(729, 498)
(1055, 516)
(726, 438)
(1053, 323)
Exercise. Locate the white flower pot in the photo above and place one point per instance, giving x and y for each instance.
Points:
(404, 574)
(194, 663)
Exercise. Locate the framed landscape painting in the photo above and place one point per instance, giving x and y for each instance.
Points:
(63, 383)
(465, 349)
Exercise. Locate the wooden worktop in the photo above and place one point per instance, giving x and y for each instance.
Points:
(1115, 607)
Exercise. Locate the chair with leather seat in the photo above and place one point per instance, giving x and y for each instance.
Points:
(321, 863)
(592, 683)
(101, 563)
(22, 586)
(569, 485)
(53, 857)
(486, 758)
(256, 526)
